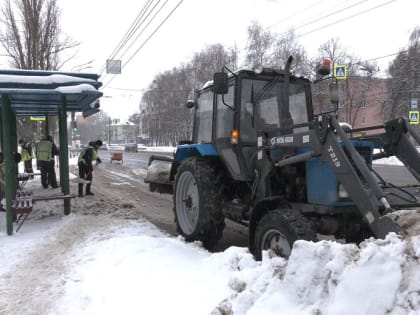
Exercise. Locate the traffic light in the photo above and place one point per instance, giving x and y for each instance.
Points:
(74, 126)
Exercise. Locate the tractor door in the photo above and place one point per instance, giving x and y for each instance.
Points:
(260, 110)
(224, 124)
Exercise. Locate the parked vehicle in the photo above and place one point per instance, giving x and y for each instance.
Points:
(130, 147)
(260, 157)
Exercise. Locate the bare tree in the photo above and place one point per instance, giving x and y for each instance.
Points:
(31, 36)
(164, 116)
(356, 91)
(286, 46)
(260, 43)
(405, 78)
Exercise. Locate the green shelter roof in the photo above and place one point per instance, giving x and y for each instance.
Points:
(35, 92)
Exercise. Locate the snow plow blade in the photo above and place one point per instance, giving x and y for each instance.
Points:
(159, 174)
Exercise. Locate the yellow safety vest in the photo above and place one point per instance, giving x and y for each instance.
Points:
(26, 155)
(44, 151)
(82, 155)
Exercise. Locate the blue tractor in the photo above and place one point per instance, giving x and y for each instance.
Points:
(260, 157)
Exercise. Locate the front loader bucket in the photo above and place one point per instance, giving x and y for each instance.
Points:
(384, 225)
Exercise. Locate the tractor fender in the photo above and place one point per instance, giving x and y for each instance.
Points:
(262, 207)
(188, 150)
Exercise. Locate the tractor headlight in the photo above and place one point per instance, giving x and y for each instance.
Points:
(342, 192)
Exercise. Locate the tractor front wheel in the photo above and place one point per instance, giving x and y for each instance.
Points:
(278, 229)
(197, 202)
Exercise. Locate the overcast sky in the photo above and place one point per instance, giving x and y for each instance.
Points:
(367, 28)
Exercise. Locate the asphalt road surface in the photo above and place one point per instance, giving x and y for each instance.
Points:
(126, 181)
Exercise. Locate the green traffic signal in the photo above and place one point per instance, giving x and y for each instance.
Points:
(74, 126)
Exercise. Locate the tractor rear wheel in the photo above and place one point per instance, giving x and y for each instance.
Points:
(197, 201)
(279, 229)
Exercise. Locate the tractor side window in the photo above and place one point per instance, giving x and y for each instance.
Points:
(298, 106)
(269, 112)
(224, 120)
(204, 117)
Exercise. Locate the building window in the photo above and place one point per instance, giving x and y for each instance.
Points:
(363, 120)
(363, 104)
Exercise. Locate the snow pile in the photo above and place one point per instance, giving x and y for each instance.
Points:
(139, 270)
(380, 277)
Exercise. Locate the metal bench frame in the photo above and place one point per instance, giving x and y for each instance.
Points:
(23, 204)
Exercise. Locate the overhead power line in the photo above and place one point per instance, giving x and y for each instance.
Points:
(147, 39)
(141, 32)
(128, 34)
(133, 31)
(346, 18)
(325, 16)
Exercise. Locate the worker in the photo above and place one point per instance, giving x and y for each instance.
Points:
(26, 152)
(46, 150)
(86, 159)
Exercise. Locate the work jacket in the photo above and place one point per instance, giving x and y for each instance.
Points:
(88, 155)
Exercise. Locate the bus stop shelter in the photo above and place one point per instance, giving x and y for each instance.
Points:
(42, 93)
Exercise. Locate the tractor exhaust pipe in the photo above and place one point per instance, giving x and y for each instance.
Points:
(286, 117)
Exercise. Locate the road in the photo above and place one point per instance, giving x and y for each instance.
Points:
(126, 180)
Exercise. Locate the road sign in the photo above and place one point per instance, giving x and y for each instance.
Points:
(414, 117)
(340, 72)
(113, 66)
(414, 104)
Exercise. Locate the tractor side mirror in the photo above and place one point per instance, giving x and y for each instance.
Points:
(334, 95)
(220, 81)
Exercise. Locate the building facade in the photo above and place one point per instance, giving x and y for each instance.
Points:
(362, 101)
(122, 132)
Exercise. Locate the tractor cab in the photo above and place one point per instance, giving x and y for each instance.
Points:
(234, 109)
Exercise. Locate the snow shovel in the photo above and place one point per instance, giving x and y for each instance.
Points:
(84, 180)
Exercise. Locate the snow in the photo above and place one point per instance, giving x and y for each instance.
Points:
(390, 160)
(131, 267)
(42, 80)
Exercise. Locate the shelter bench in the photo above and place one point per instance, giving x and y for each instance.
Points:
(23, 204)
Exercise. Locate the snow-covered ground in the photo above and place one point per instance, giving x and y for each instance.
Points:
(131, 267)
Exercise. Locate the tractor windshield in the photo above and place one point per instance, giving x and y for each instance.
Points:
(261, 106)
